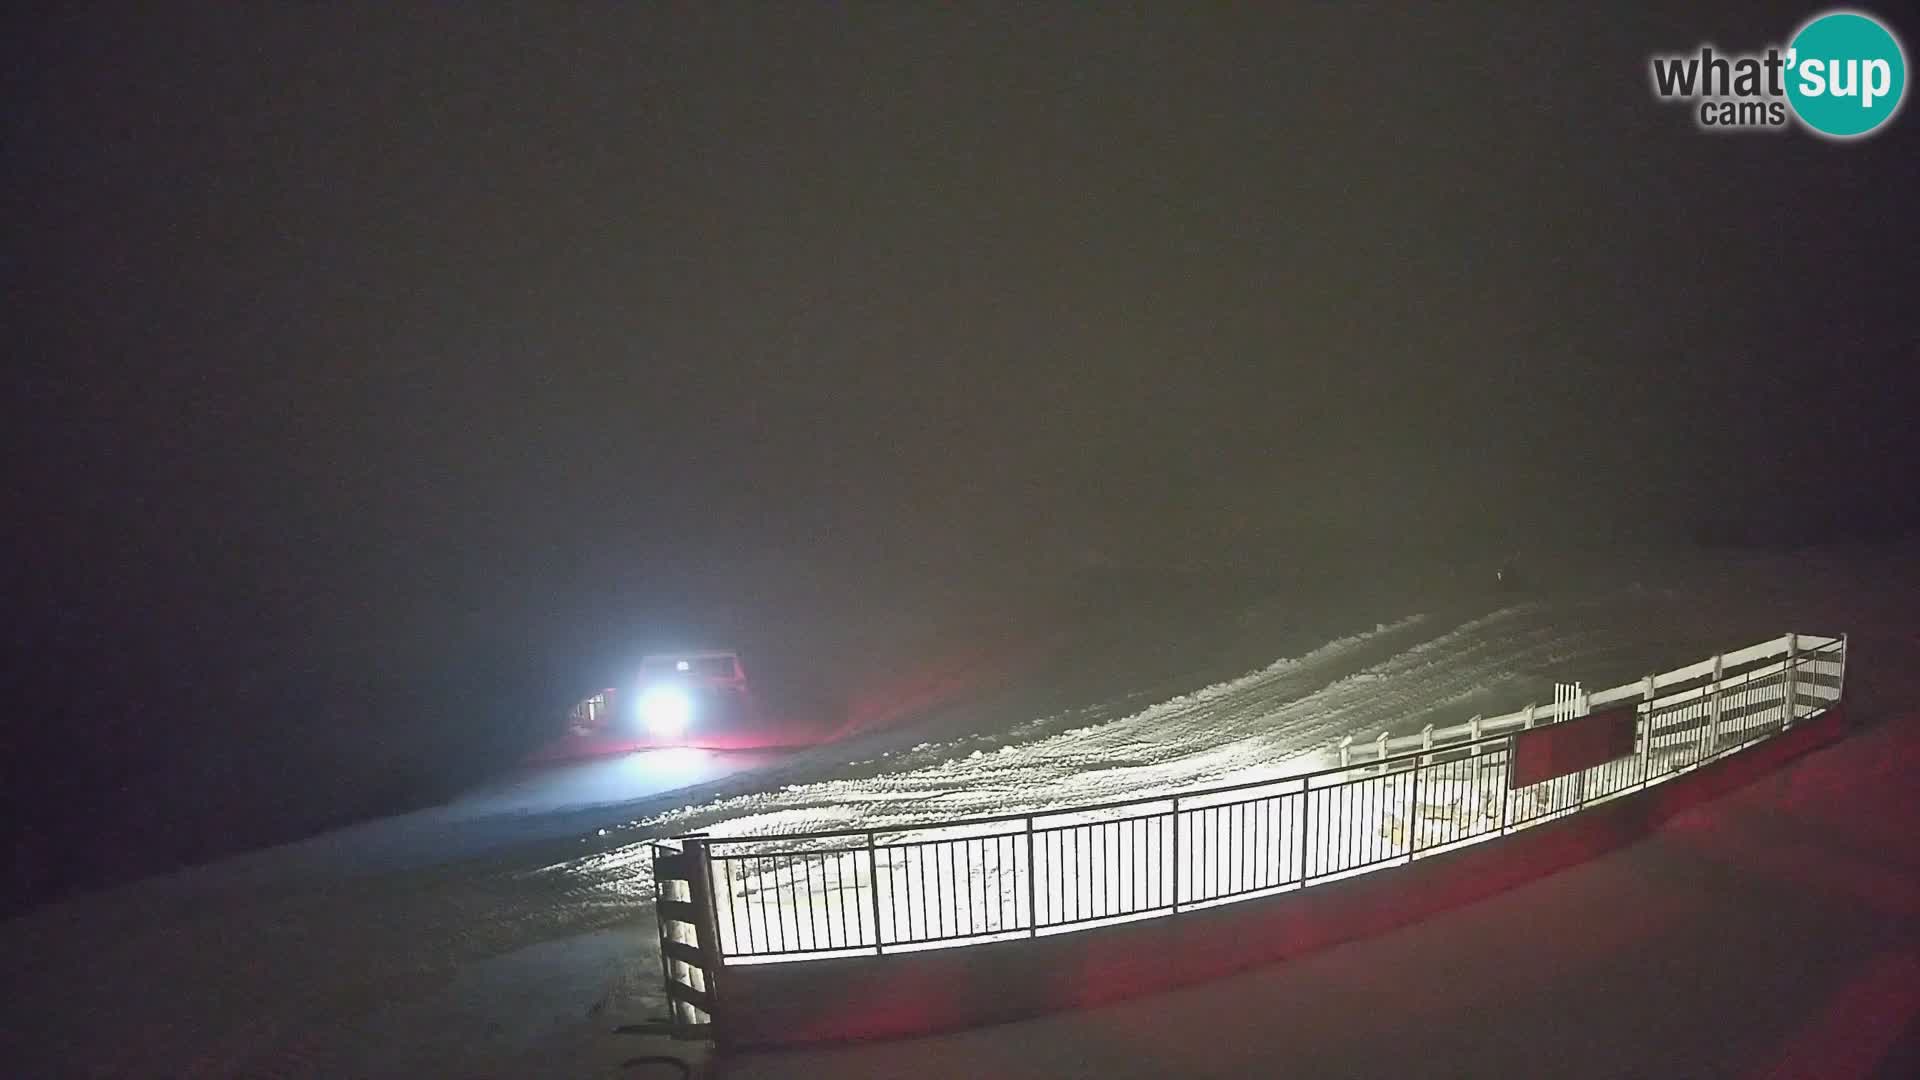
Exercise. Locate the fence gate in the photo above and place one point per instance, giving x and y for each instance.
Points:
(689, 946)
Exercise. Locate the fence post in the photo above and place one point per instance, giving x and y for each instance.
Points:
(1526, 716)
(1713, 705)
(873, 876)
(1647, 691)
(691, 865)
(1306, 805)
(1413, 803)
(1176, 854)
(1787, 683)
(1346, 751)
(1033, 874)
(1473, 736)
(1380, 751)
(1840, 692)
(1506, 784)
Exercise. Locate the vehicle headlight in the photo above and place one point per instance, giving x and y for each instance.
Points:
(665, 710)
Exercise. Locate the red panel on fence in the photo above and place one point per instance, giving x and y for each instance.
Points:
(1567, 747)
(919, 993)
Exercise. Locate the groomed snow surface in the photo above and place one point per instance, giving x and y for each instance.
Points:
(477, 939)
(1767, 933)
(952, 885)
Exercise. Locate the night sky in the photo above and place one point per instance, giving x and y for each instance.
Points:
(393, 349)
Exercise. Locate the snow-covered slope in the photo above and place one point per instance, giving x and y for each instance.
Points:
(288, 963)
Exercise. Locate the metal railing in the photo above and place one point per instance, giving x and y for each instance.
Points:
(894, 889)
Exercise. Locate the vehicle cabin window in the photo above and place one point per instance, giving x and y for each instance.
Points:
(699, 667)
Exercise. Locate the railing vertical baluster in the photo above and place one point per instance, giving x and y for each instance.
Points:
(1133, 856)
(873, 883)
(1176, 855)
(1714, 703)
(1413, 804)
(1306, 800)
(1237, 875)
(1787, 681)
(1070, 881)
(732, 936)
(813, 922)
(765, 937)
(1209, 852)
(920, 871)
(1506, 785)
(783, 883)
(952, 889)
(840, 891)
(1033, 871)
(948, 890)
(1647, 691)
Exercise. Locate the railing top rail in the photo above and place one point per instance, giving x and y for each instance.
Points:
(1761, 651)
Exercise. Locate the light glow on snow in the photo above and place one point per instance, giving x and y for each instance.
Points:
(908, 888)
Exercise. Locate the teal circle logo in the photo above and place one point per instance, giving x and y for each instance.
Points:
(1846, 74)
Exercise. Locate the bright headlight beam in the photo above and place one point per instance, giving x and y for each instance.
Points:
(665, 710)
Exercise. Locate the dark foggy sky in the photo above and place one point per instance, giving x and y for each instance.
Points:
(340, 320)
